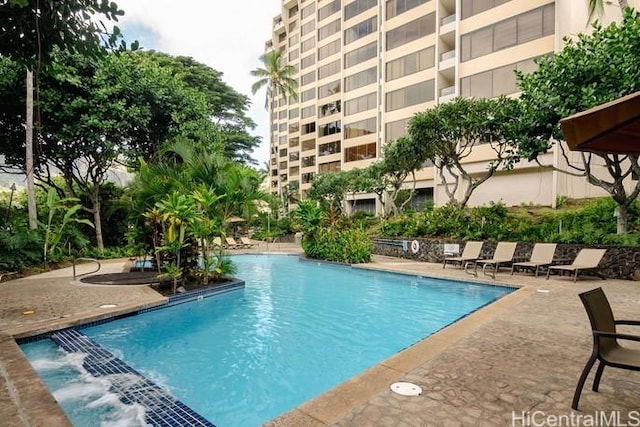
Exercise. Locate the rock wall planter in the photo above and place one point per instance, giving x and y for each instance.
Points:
(620, 262)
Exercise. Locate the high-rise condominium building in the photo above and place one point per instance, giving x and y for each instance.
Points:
(365, 67)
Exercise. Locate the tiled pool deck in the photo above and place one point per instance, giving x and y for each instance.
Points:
(515, 362)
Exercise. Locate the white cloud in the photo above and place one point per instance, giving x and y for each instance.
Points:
(227, 36)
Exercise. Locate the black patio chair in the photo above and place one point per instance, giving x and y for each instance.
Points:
(606, 348)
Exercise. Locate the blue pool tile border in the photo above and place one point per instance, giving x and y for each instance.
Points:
(162, 409)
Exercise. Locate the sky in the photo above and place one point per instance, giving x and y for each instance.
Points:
(228, 36)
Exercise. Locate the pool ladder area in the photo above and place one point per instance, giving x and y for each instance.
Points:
(79, 260)
(162, 409)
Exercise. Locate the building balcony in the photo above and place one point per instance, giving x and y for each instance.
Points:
(447, 60)
(448, 24)
(447, 94)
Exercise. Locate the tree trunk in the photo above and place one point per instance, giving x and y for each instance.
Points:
(622, 219)
(29, 164)
(95, 195)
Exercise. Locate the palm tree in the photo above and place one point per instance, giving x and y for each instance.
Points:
(597, 6)
(276, 76)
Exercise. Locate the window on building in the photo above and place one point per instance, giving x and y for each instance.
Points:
(394, 130)
(329, 89)
(307, 44)
(307, 28)
(283, 152)
(360, 30)
(308, 161)
(282, 140)
(328, 148)
(360, 152)
(307, 11)
(361, 79)
(473, 7)
(410, 95)
(293, 40)
(307, 95)
(361, 128)
(329, 69)
(307, 61)
(294, 113)
(411, 31)
(309, 144)
(294, 127)
(308, 128)
(495, 82)
(308, 78)
(330, 128)
(510, 32)
(293, 11)
(329, 49)
(361, 54)
(294, 156)
(357, 7)
(283, 127)
(328, 10)
(294, 142)
(306, 179)
(360, 104)
(422, 198)
(410, 64)
(397, 7)
(293, 55)
(282, 114)
(307, 112)
(329, 167)
(329, 29)
(329, 108)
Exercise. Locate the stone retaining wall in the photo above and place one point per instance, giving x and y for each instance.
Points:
(620, 262)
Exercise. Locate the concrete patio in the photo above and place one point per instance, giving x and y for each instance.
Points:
(514, 362)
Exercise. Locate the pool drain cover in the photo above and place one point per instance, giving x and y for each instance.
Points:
(406, 389)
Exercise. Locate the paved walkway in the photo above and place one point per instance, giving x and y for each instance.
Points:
(519, 356)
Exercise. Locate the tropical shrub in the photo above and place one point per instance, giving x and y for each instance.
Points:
(19, 246)
(351, 246)
(591, 222)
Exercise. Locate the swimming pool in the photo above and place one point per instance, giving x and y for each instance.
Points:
(297, 329)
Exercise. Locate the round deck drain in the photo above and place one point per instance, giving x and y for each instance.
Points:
(406, 389)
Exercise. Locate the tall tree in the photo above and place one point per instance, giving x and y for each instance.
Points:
(98, 113)
(590, 70)
(30, 31)
(227, 108)
(449, 133)
(276, 76)
(398, 162)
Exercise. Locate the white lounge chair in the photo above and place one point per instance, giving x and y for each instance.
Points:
(470, 253)
(541, 256)
(503, 255)
(586, 260)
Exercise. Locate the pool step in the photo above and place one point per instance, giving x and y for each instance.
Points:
(162, 408)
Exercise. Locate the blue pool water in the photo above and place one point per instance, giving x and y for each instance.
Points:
(296, 330)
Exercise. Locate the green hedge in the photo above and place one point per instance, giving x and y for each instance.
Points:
(351, 246)
(592, 222)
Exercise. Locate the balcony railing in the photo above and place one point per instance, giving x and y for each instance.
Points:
(448, 91)
(448, 19)
(448, 55)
